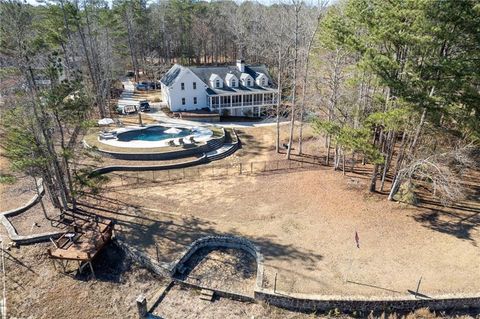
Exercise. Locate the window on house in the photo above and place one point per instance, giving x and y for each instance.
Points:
(217, 83)
(234, 83)
(194, 85)
(263, 82)
(249, 83)
(183, 100)
(195, 100)
(183, 86)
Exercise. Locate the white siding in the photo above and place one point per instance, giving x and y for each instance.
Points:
(176, 94)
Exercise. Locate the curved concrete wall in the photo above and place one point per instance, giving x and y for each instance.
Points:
(108, 169)
(12, 232)
(186, 152)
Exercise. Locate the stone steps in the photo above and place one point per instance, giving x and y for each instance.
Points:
(206, 294)
(222, 152)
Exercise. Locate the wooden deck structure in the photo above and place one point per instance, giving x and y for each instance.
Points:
(82, 243)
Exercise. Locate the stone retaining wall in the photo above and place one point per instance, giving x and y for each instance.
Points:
(143, 259)
(218, 292)
(302, 302)
(222, 242)
(350, 304)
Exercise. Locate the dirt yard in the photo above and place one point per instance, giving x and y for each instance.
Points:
(36, 290)
(225, 269)
(186, 303)
(305, 224)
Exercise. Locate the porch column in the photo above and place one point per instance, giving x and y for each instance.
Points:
(241, 99)
(263, 98)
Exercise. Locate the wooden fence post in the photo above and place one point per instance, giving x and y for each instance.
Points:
(240, 167)
(251, 167)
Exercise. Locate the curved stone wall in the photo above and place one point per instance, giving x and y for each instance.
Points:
(304, 302)
(222, 242)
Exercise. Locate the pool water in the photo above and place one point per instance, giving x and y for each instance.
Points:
(154, 133)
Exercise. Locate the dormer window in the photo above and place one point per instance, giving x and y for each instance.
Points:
(231, 80)
(261, 80)
(246, 79)
(216, 81)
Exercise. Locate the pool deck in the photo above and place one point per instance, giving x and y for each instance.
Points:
(200, 134)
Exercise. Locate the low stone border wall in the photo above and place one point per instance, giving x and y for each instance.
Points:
(218, 292)
(301, 302)
(223, 242)
(109, 169)
(161, 269)
(12, 232)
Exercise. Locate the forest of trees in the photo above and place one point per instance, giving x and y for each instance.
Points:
(391, 83)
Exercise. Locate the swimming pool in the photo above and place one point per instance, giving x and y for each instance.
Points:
(152, 134)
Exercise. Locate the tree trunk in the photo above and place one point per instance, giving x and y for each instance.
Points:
(373, 180)
(305, 80)
(294, 86)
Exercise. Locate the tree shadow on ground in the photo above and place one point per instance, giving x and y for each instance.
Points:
(460, 219)
(170, 234)
(250, 145)
(221, 268)
(109, 265)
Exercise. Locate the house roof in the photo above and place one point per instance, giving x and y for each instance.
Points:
(205, 73)
(171, 75)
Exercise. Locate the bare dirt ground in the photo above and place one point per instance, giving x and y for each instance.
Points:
(225, 269)
(186, 303)
(34, 220)
(36, 290)
(304, 222)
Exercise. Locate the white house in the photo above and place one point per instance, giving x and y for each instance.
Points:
(237, 90)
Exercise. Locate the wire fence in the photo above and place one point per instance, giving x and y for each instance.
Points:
(129, 178)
